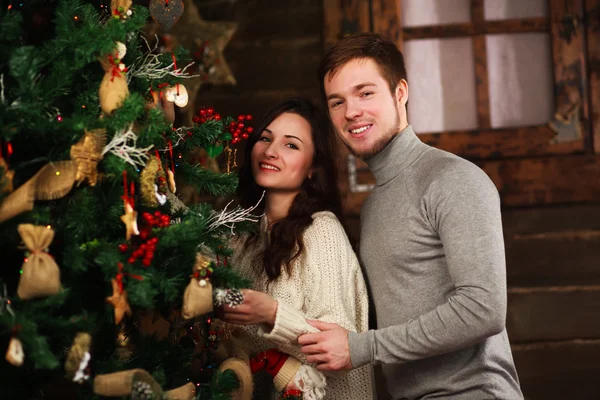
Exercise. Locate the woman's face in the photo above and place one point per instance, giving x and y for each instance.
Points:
(282, 156)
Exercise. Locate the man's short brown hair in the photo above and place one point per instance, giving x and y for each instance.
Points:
(364, 46)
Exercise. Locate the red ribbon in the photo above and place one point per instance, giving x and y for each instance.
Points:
(120, 275)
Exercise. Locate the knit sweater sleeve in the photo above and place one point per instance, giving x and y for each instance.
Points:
(333, 284)
(463, 207)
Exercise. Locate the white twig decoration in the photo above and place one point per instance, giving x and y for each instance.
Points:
(181, 133)
(235, 216)
(1, 88)
(148, 66)
(123, 146)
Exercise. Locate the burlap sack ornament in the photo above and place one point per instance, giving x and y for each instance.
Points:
(51, 182)
(198, 295)
(113, 88)
(120, 8)
(241, 369)
(137, 382)
(41, 276)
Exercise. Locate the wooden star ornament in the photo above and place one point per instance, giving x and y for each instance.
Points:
(130, 221)
(87, 153)
(119, 302)
(206, 41)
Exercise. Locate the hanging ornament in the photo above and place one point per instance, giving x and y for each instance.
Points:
(171, 181)
(6, 175)
(113, 88)
(137, 382)
(120, 9)
(87, 153)
(121, 50)
(51, 182)
(153, 182)
(177, 94)
(166, 13)
(197, 298)
(15, 354)
(130, 216)
(41, 276)
(242, 371)
(78, 358)
(130, 221)
(119, 301)
(210, 39)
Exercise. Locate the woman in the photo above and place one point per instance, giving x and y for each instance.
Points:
(300, 261)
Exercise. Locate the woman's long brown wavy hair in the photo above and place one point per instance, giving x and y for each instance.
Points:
(319, 193)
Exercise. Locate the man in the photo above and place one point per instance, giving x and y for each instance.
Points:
(431, 244)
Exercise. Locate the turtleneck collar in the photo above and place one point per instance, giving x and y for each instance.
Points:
(402, 151)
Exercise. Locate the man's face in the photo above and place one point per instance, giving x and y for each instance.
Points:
(364, 113)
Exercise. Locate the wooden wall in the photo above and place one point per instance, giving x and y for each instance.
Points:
(550, 192)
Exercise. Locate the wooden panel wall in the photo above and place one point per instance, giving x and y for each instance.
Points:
(550, 191)
(550, 194)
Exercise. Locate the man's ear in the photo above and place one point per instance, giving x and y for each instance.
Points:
(402, 92)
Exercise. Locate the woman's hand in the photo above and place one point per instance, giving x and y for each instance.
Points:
(257, 308)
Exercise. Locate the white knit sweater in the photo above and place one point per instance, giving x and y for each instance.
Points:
(326, 284)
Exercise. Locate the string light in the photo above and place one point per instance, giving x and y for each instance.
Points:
(83, 106)
(59, 118)
(57, 173)
(76, 18)
(48, 227)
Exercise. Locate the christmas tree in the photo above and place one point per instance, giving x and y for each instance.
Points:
(108, 280)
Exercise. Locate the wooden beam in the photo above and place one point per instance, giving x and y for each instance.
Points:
(481, 71)
(559, 370)
(387, 21)
(593, 50)
(502, 143)
(553, 313)
(527, 182)
(471, 29)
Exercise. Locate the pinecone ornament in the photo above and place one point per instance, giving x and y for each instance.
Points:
(142, 391)
(234, 297)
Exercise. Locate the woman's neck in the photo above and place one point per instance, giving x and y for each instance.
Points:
(277, 204)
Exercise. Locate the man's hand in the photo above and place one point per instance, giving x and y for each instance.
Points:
(327, 349)
(257, 308)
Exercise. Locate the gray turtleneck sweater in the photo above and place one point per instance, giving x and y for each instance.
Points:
(433, 251)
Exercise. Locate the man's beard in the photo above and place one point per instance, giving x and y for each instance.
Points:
(379, 145)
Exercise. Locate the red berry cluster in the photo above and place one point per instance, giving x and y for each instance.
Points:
(206, 114)
(146, 248)
(239, 130)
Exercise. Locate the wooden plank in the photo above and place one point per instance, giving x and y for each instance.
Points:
(387, 21)
(559, 370)
(546, 180)
(553, 313)
(553, 258)
(557, 245)
(529, 182)
(502, 143)
(568, 47)
(593, 53)
(470, 29)
(481, 71)
(344, 17)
